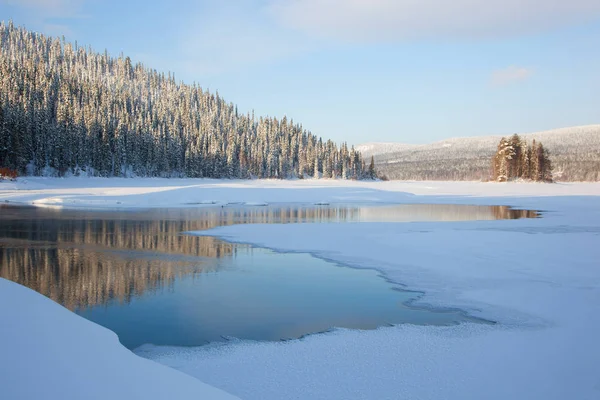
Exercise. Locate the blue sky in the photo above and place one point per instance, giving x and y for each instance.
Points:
(360, 70)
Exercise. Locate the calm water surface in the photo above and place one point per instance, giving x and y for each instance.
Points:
(135, 273)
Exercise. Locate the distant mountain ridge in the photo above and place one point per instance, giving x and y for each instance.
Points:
(383, 148)
(574, 151)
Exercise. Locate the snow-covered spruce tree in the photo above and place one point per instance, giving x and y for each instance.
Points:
(534, 161)
(65, 109)
(372, 174)
(545, 165)
(502, 161)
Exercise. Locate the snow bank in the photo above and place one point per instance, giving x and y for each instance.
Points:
(48, 352)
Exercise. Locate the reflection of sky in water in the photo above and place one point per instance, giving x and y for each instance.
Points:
(261, 295)
(135, 273)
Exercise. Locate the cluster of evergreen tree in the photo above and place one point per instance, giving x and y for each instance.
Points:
(515, 159)
(65, 109)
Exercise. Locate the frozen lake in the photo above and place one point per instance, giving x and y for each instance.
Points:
(135, 273)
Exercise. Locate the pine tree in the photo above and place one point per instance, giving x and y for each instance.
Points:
(372, 174)
(515, 167)
(501, 164)
(545, 165)
(535, 161)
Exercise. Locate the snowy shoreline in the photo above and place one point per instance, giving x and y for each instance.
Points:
(49, 352)
(129, 193)
(537, 277)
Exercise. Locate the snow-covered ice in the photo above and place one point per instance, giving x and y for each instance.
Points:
(539, 279)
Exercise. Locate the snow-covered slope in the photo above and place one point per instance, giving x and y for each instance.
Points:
(575, 153)
(48, 352)
(378, 148)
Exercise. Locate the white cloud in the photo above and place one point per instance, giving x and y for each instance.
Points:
(393, 20)
(512, 74)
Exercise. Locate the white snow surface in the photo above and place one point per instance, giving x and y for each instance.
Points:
(48, 352)
(539, 279)
(377, 148)
(124, 193)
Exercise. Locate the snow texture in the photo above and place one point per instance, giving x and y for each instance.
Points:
(123, 193)
(537, 278)
(48, 352)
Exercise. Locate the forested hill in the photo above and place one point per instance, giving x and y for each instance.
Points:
(574, 152)
(68, 110)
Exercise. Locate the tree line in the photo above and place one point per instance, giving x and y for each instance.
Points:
(516, 159)
(67, 110)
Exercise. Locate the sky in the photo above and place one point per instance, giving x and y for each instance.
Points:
(412, 71)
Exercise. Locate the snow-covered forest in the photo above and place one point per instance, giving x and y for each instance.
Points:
(67, 110)
(574, 152)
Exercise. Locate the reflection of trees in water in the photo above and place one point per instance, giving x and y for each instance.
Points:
(77, 278)
(441, 212)
(157, 236)
(505, 212)
(81, 259)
